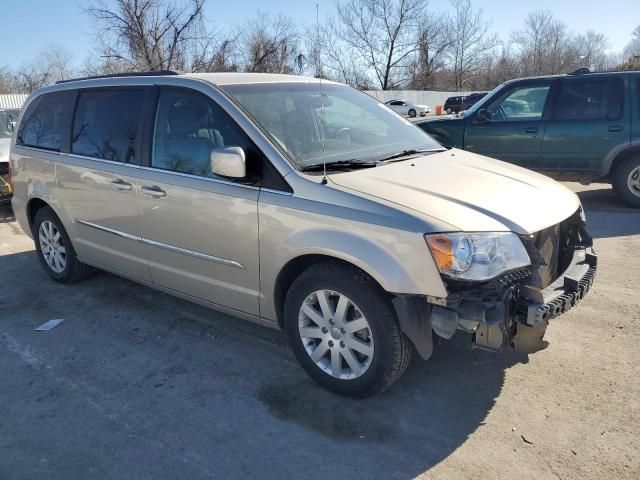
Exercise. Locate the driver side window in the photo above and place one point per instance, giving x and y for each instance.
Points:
(188, 126)
(520, 103)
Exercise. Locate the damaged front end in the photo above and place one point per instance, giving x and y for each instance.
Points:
(513, 309)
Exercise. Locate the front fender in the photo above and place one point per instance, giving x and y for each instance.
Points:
(371, 257)
(398, 260)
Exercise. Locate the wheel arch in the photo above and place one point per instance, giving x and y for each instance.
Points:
(294, 267)
(33, 206)
(620, 155)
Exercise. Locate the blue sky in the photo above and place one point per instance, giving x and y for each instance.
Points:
(29, 25)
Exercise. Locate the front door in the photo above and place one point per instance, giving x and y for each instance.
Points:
(96, 183)
(589, 120)
(513, 125)
(200, 231)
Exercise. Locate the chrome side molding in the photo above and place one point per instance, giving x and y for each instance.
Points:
(172, 248)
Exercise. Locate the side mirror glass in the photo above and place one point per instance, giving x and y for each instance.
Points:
(228, 162)
(482, 116)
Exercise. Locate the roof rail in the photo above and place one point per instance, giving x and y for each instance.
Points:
(155, 73)
(580, 71)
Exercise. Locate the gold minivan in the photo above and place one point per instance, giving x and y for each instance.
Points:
(300, 204)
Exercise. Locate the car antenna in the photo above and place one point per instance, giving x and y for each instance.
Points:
(319, 60)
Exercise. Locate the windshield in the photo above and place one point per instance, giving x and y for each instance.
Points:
(356, 127)
(6, 124)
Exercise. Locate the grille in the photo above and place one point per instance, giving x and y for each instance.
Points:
(547, 242)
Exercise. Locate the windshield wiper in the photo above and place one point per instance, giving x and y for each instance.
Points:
(338, 165)
(406, 153)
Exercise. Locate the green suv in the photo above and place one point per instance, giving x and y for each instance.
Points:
(581, 127)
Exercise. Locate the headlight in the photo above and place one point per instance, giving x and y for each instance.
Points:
(477, 256)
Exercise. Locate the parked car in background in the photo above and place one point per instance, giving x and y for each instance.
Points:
(7, 125)
(470, 100)
(580, 127)
(408, 109)
(212, 187)
(453, 104)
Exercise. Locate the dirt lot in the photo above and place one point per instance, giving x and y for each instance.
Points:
(137, 384)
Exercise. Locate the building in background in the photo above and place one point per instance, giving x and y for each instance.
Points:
(12, 102)
(632, 64)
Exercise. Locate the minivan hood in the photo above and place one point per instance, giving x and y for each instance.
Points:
(471, 192)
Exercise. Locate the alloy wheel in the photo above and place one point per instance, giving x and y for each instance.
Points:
(52, 246)
(633, 181)
(336, 334)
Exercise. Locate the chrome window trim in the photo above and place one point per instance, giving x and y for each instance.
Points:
(172, 248)
(154, 169)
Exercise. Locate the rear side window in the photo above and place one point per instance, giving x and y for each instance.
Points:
(590, 99)
(106, 124)
(45, 123)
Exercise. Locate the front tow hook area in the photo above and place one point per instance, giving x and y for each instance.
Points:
(529, 340)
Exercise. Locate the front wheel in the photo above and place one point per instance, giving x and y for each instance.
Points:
(626, 181)
(343, 331)
(449, 111)
(412, 113)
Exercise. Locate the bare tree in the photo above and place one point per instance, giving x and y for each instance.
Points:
(150, 34)
(383, 36)
(633, 47)
(545, 45)
(471, 41)
(271, 45)
(48, 66)
(592, 49)
(434, 41)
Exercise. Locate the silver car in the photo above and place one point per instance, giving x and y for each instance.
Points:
(302, 205)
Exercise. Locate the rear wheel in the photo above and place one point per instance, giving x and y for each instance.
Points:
(448, 110)
(626, 181)
(343, 331)
(54, 249)
(412, 113)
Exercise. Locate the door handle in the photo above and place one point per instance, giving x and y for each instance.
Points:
(154, 191)
(615, 128)
(531, 130)
(121, 185)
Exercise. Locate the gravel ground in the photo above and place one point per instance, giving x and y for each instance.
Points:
(137, 384)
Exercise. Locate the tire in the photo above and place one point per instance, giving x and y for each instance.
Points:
(65, 267)
(626, 181)
(412, 113)
(448, 110)
(390, 350)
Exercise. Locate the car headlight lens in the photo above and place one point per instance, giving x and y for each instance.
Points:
(477, 256)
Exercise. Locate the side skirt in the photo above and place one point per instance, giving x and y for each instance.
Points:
(213, 306)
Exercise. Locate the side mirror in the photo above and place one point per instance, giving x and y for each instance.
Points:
(482, 116)
(228, 162)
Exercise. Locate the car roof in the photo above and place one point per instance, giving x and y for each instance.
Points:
(577, 74)
(216, 78)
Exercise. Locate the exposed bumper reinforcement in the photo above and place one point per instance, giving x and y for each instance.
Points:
(538, 305)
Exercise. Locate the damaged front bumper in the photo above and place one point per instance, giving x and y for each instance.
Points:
(508, 311)
(538, 305)
(512, 310)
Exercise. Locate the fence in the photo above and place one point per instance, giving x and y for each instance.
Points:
(417, 97)
(14, 101)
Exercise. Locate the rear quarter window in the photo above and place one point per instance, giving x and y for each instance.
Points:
(590, 99)
(46, 122)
